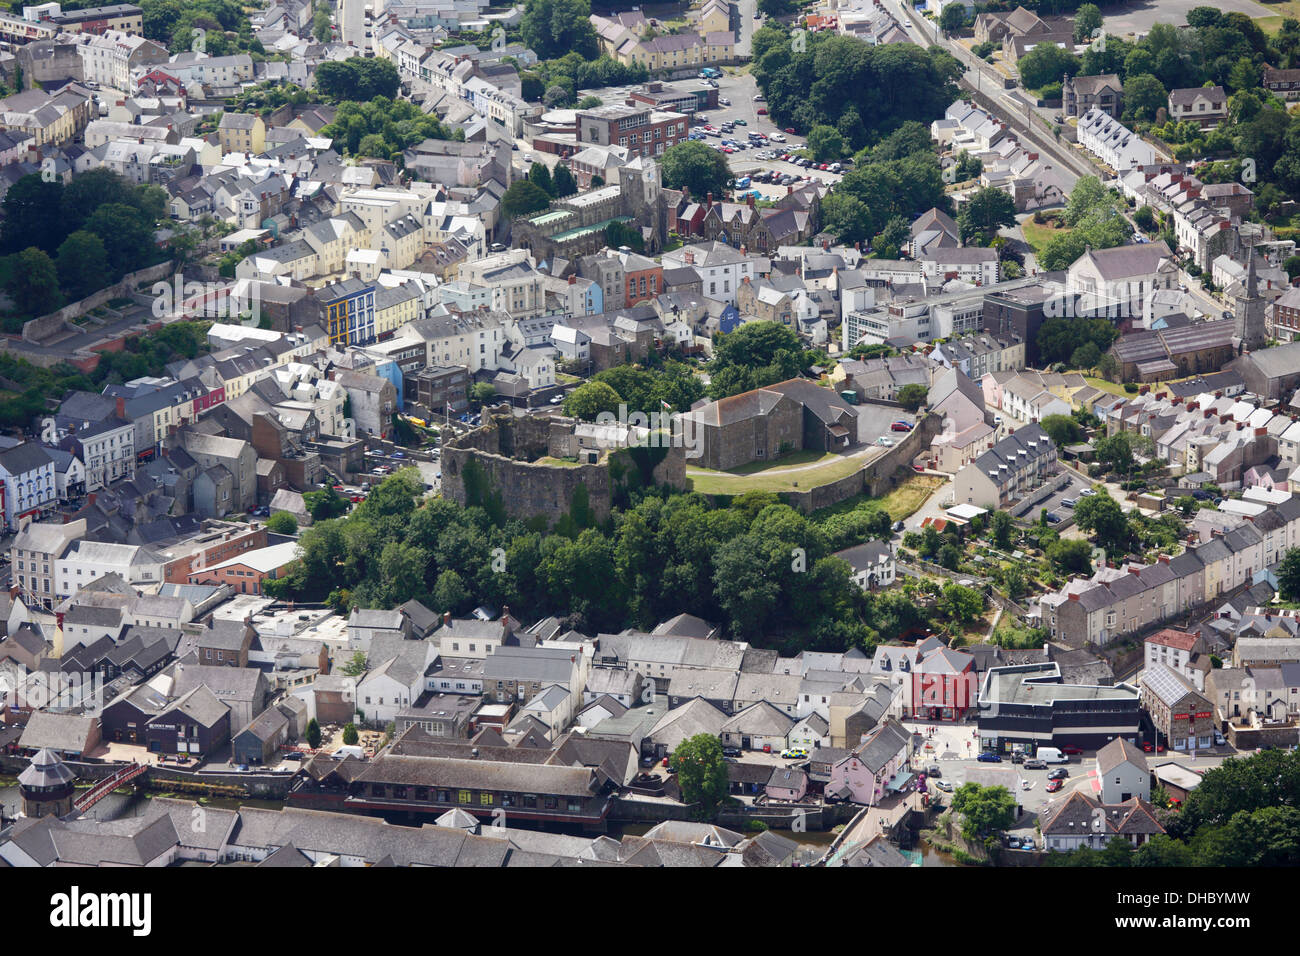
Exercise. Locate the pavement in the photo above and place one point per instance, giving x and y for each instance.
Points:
(1139, 17)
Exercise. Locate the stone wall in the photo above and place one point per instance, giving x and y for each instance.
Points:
(501, 448)
(38, 330)
(876, 479)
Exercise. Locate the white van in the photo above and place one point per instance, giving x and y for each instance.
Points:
(349, 750)
(1051, 755)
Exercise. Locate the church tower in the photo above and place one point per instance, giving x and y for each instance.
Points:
(1251, 331)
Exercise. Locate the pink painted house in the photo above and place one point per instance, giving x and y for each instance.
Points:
(787, 783)
(874, 768)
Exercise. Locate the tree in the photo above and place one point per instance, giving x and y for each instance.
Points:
(826, 143)
(1062, 429)
(913, 396)
(350, 735)
(1143, 97)
(1116, 451)
(1046, 63)
(1200, 17)
(563, 182)
(321, 28)
(325, 504)
(590, 399)
(1000, 529)
(988, 210)
(953, 18)
(553, 28)
(1070, 556)
(82, 264)
(540, 176)
(1288, 576)
(1102, 515)
(889, 241)
(1086, 356)
(524, 197)
(1087, 21)
(1145, 218)
(701, 771)
(126, 233)
(697, 167)
(960, 604)
(985, 811)
(32, 282)
(356, 665)
(282, 523)
(847, 218)
(359, 79)
(313, 733)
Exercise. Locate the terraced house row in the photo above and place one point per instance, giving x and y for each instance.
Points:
(1114, 601)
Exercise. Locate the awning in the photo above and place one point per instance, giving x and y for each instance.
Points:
(901, 780)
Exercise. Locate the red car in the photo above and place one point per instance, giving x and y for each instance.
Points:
(1072, 749)
(790, 130)
(762, 111)
(900, 427)
(1054, 785)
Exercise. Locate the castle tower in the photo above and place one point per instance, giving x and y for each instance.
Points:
(1251, 331)
(46, 786)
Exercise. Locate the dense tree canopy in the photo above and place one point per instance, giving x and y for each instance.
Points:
(864, 91)
(553, 28)
(697, 167)
(357, 78)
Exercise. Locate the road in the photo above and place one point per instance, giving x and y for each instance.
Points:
(984, 78)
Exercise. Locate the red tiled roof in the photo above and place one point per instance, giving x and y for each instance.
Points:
(1171, 638)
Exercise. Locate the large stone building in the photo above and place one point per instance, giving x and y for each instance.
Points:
(576, 226)
(499, 466)
(771, 421)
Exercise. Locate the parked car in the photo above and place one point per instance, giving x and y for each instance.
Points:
(1033, 763)
(1073, 750)
(900, 427)
(944, 785)
(989, 757)
(762, 111)
(1220, 740)
(1054, 786)
(398, 454)
(1087, 493)
(898, 526)
(790, 130)
(1013, 843)
(1053, 518)
(933, 771)
(731, 751)
(794, 753)
(1017, 757)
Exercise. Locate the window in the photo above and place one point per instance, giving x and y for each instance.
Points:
(465, 797)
